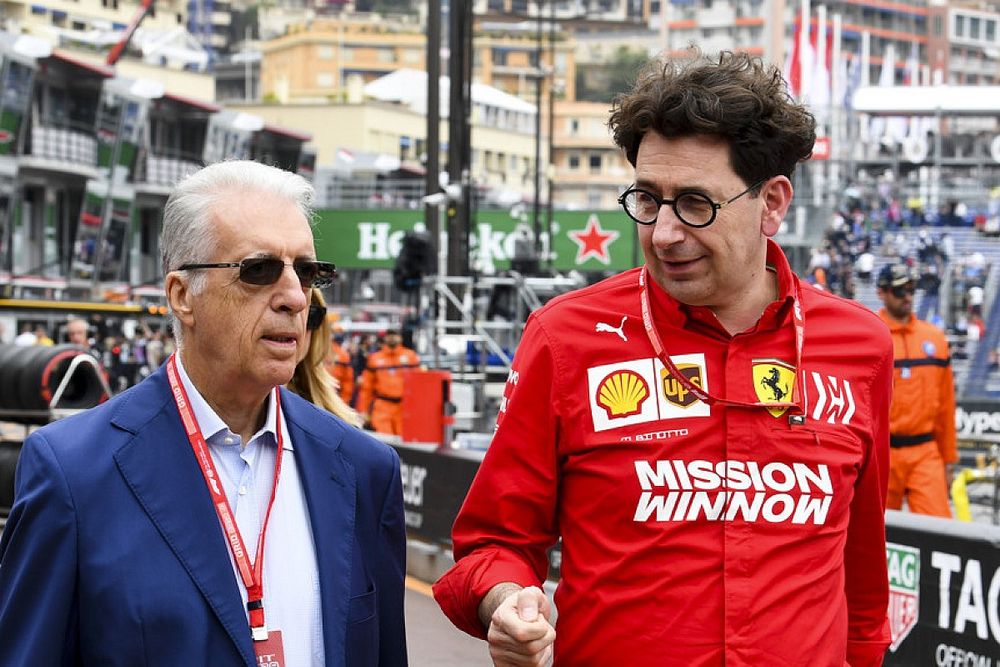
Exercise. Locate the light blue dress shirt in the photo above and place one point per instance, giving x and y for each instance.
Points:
(291, 578)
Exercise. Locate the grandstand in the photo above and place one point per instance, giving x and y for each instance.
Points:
(974, 375)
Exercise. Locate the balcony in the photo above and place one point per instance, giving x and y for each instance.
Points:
(62, 146)
(164, 168)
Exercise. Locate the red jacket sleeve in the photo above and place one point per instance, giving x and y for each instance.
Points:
(866, 577)
(508, 520)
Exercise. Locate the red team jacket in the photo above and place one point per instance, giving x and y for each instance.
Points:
(692, 533)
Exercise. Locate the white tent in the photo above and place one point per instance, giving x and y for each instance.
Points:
(928, 100)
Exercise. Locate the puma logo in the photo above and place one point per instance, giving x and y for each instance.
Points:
(601, 326)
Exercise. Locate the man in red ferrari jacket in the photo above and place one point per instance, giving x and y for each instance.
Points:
(706, 434)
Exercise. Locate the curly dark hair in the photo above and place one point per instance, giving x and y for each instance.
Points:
(736, 98)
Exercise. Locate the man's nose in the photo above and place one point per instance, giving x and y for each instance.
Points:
(668, 228)
(289, 292)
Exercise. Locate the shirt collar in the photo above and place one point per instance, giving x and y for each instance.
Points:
(212, 425)
(894, 324)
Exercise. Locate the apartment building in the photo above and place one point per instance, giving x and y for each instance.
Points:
(964, 43)
(589, 172)
(388, 119)
(322, 59)
(90, 24)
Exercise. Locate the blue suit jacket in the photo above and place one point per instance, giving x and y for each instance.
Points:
(113, 554)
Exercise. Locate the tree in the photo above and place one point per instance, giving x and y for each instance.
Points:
(600, 82)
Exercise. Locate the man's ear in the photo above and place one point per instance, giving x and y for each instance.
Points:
(179, 297)
(776, 195)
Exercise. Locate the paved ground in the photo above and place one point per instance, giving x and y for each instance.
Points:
(431, 639)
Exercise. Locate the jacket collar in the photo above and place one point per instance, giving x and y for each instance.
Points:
(896, 325)
(159, 467)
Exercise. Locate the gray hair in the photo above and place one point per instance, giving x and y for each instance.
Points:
(188, 235)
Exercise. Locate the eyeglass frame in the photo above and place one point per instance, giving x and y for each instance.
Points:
(716, 206)
(240, 265)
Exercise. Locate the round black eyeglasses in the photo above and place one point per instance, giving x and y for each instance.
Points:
(267, 270)
(694, 209)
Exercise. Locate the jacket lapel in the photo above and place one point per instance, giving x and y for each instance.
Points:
(160, 468)
(330, 489)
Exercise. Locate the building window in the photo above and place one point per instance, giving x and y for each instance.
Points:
(574, 126)
(595, 163)
(324, 80)
(324, 52)
(593, 199)
(574, 162)
(346, 53)
(499, 57)
(959, 26)
(412, 56)
(938, 26)
(974, 28)
(991, 31)
(386, 56)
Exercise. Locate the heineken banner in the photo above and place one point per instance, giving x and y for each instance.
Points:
(944, 575)
(581, 240)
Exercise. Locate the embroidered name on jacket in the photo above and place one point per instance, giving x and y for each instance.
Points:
(676, 490)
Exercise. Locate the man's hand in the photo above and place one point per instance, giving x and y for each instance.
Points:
(519, 630)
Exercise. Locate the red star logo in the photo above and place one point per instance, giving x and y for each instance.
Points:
(593, 241)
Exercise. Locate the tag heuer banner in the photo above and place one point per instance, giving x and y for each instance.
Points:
(581, 240)
(944, 584)
(904, 590)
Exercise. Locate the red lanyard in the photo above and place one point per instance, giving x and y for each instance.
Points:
(798, 320)
(251, 573)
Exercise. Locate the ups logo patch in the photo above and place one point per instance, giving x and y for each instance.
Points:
(674, 391)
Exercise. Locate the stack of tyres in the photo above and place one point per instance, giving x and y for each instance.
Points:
(30, 376)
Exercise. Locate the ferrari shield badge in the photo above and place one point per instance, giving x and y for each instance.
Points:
(773, 381)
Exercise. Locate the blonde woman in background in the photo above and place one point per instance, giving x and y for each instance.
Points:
(311, 380)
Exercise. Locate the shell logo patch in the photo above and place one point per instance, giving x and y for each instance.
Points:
(641, 390)
(622, 393)
(773, 381)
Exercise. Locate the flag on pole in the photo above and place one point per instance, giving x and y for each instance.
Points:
(793, 64)
(800, 61)
(819, 85)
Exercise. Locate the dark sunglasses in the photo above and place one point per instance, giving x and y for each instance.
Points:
(903, 290)
(267, 270)
(316, 316)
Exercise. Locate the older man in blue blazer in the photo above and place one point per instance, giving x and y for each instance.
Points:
(207, 516)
